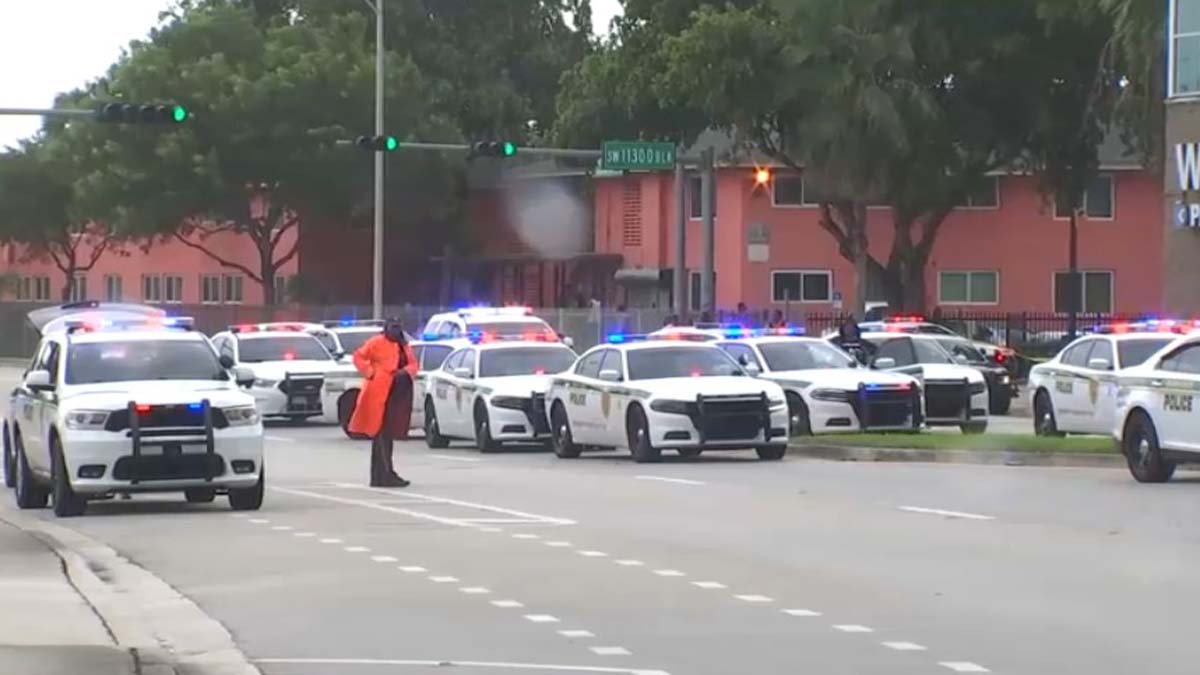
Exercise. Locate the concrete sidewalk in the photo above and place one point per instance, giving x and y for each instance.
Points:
(46, 626)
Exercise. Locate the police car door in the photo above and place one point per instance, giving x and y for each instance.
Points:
(441, 391)
(27, 407)
(461, 396)
(45, 408)
(583, 398)
(613, 397)
(1176, 383)
(429, 358)
(1100, 389)
(1070, 395)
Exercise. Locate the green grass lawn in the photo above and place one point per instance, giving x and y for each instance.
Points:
(956, 441)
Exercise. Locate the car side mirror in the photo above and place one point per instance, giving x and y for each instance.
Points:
(752, 369)
(464, 373)
(226, 361)
(39, 380)
(610, 375)
(884, 362)
(243, 376)
(960, 358)
(339, 355)
(1099, 364)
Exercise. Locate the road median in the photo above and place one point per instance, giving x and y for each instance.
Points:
(992, 449)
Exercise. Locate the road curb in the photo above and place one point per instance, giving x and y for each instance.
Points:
(988, 457)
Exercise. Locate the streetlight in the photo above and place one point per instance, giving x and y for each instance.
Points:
(377, 252)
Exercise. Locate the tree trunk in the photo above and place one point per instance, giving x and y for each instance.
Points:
(266, 264)
(862, 259)
(68, 283)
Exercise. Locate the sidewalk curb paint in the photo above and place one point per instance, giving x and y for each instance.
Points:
(165, 632)
(988, 457)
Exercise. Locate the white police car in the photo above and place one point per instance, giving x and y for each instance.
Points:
(1156, 421)
(493, 391)
(132, 405)
(826, 389)
(916, 323)
(493, 321)
(650, 394)
(290, 367)
(1076, 391)
(954, 394)
(342, 393)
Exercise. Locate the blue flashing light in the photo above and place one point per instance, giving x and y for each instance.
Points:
(195, 406)
(429, 337)
(347, 322)
(616, 338)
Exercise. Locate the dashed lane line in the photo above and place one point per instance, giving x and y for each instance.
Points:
(610, 651)
(558, 544)
(474, 590)
(443, 579)
(507, 604)
(453, 458)
(669, 573)
(331, 540)
(665, 479)
(526, 535)
(541, 618)
(801, 612)
(383, 558)
(945, 513)
(630, 563)
(572, 634)
(356, 549)
(904, 646)
(495, 665)
(531, 517)
(593, 554)
(411, 568)
(754, 598)
(279, 439)
(708, 584)
(963, 667)
(853, 628)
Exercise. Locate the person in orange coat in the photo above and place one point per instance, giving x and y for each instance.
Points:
(385, 401)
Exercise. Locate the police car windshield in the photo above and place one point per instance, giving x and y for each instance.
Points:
(804, 356)
(281, 348)
(132, 360)
(525, 361)
(1135, 352)
(511, 327)
(652, 364)
(353, 340)
(931, 351)
(960, 347)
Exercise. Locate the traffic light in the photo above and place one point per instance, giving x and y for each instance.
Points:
(146, 113)
(492, 149)
(377, 143)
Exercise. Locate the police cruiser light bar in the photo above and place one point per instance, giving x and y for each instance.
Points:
(1149, 326)
(477, 337)
(905, 318)
(266, 327)
(494, 311)
(351, 323)
(622, 338)
(91, 325)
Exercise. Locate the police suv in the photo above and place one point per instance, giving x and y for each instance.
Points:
(290, 367)
(954, 394)
(677, 392)
(493, 391)
(1156, 411)
(1076, 391)
(132, 405)
(464, 322)
(826, 389)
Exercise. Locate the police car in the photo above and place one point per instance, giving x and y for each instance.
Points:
(132, 405)
(342, 393)
(1002, 387)
(954, 394)
(826, 390)
(342, 337)
(463, 323)
(290, 367)
(493, 391)
(1076, 391)
(916, 323)
(1156, 411)
(651, 394)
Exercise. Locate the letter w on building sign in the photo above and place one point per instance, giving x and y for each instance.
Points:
(1187, 162)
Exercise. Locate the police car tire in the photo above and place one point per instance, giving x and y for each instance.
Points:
(1156, 469)
(638, 432)
(771, 453)
(199, 495)
(483, 430)
(10, 466)
(29, 494)
(66, 502)
(799, 423)
(1044, 422)
(433, 438)
(251, 498)
(561, 440)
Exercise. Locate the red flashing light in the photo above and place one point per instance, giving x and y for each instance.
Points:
(539, 371)
(1001, 357)
(142, 408)
(695, 373)
(907, 318)
(289, 356)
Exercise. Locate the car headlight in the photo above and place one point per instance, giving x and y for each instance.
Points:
(86, 419)
(836, 395)
(671, 407)
(262, 383)
(977, 388)
(1005, 379)
(241, 416)
(510, 402)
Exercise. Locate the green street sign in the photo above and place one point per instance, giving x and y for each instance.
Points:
(637, 156)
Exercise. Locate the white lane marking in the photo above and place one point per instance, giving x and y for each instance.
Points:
(304, 534)
(411, 568)
(964, 667)
(259, 521)
(356, 549)
(443, 580)
(669, 573)
(282, 528)
(709, 584)
(558, 544)
(490, 529)
(454, 522)
(576, 633)
(541, 618)
(526, 535)
(593, 554)
(801, 612)
(533, 517)
(507, 665)
(507, 603)
(458, 459)
(943, 512)
(904, 646)
(630, 563)
(474, 590)
(331, 541)
(383, 558)
(754, 598)
(239, 515)
(853, 628)
(279, 439)
(610, 651)
(681, 481)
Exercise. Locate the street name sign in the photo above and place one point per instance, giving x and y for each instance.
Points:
(637, 156)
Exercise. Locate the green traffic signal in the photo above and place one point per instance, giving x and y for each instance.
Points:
(390, 143)
(179, 114)
(509, 149)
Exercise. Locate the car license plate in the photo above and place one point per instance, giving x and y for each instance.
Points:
(302, 402)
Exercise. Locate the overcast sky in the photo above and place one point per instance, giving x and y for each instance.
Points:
(50, 46)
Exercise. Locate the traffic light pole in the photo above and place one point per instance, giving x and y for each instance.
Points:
(377, 256)
(48, 112)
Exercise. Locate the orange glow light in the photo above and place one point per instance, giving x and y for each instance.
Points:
(762, 177)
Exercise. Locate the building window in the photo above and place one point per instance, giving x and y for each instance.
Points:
(210, 289)
(801, 286)
(33, 289)
(24, 292)
(233, 289)
(986, 195)
(1096, 292)
(1183, 59)
(631, 215)
(1099, 200)
(151, 288)
(694, 290)
(695, 202)
(113, 288)
(173, 289)
(969, 288)
(787, 190)
(79, 290)
(281, 288)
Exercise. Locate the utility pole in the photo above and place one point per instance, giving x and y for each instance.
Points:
(680, 278)
(707, 209)
(377, 247)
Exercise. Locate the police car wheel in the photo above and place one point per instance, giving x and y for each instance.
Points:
(689, 452)
(251, 498)
(561, 439)
(10, 466)
(29, 494)
(771, 453)
(483, 430)
(638, 431)
(66, 502)
(433, 437)
(199, 495)
(1140, 444)
(798, 420)
(1044, 423)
